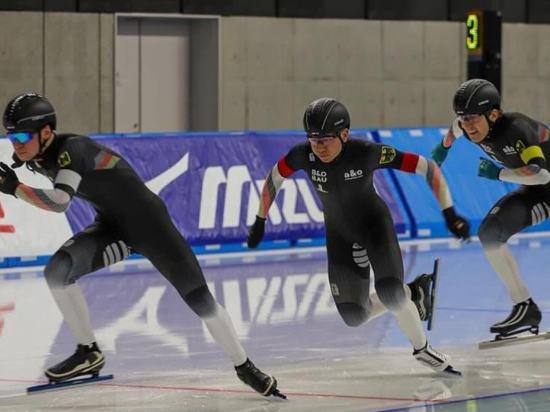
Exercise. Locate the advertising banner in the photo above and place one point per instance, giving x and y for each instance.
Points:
(211, 184)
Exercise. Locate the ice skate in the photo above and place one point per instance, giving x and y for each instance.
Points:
(265, 385)
(424, 293)
(431, 358)
(525, 317)
(87, 360)
(422, 299)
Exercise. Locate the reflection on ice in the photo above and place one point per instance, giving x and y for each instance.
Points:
(164, 359)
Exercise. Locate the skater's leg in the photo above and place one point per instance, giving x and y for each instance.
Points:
(513, 213)
(387, 265)
(72, 304)
(417, 291)
(221, 328)
(350, 285)
(183, 271)
(392, 294)
(361, 259)
(349, 281)
(172, 256)
(510, 215)
(217, 321)
(89, 250)
(377, 308)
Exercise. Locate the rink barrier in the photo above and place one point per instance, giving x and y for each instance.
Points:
(314, 251)
(211, 184)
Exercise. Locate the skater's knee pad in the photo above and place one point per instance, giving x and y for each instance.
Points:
(492, 232)
(353, 314)
(391, 293)
(58, 271)
(201, 302)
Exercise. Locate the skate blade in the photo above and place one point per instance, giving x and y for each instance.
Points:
(450, 371)
(67, 384)
(433, 293)
(513, 340)
(278, 394)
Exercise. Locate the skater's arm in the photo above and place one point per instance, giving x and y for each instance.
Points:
(431, 172)
(272, 185)
(52, 200)
(428, 169)
(531, 174)
(535, 171)
(389, 157)
(453, 133)
(528, 138)
(285, 167)
(71, 161)
(441, 150)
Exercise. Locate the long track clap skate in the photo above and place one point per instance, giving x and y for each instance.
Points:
(525, 317)
(435, 360)
(82, 367)
(433, 294)
(426, 287)
(94, 378)
(262, 383)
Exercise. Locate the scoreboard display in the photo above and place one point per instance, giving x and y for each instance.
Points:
(474, 43)
(484, 45)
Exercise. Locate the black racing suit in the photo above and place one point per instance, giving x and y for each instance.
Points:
(356, 219)
(129, 217)
(509, 142)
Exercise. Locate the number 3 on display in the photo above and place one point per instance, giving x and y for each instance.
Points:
(472, 38)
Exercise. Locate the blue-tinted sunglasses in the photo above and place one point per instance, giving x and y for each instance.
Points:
(321, 140)
(21, 137)
(469, 118)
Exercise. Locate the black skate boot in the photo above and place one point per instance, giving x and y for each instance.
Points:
(421, 289)
(265, 385)
(435, 360)
(525, 316)
(87, 360)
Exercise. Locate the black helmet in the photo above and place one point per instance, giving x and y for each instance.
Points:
(29, 112)
(325, 117)
(476, 96)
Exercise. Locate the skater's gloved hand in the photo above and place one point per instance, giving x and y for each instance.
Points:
(8, 180)
(457, 225)
(256, 232)
(439, 153)
(488, 169)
